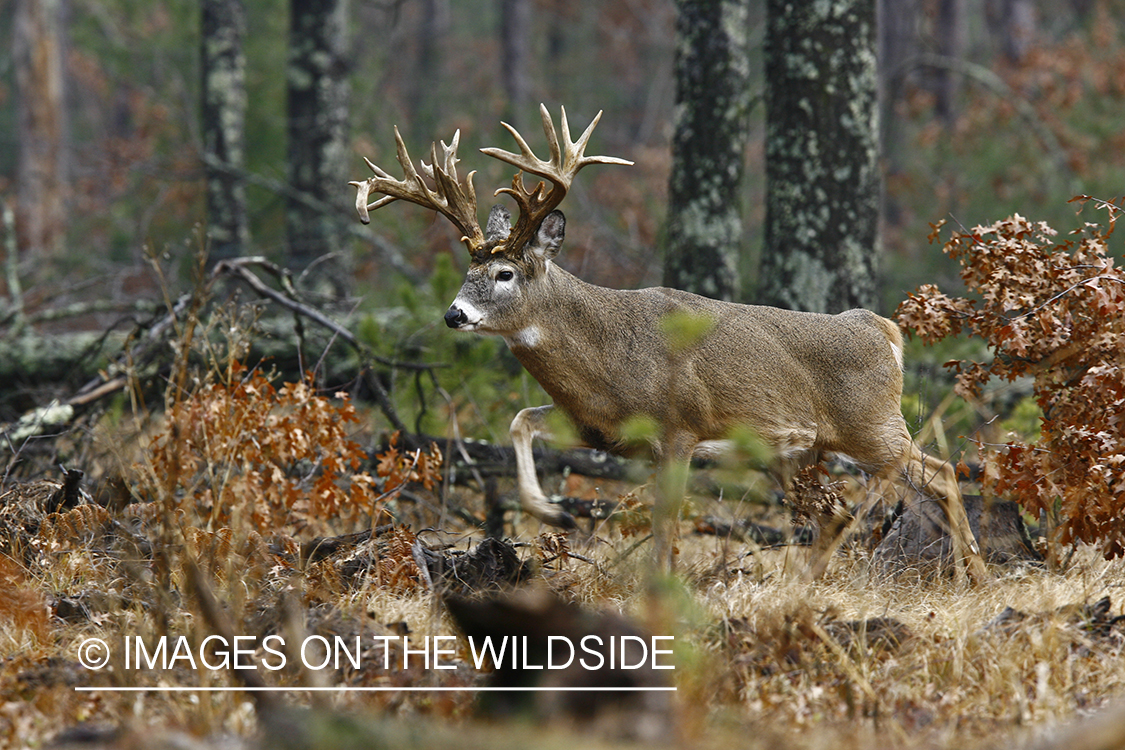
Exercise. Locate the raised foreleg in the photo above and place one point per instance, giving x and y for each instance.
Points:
(528, 425)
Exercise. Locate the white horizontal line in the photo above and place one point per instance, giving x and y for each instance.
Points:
(363, 689)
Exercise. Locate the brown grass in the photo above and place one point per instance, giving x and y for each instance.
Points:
(764, 659)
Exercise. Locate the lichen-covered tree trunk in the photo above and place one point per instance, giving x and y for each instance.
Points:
(37, 61)
(223, 68)
(822, 172)
(704, 225)
(318, 118)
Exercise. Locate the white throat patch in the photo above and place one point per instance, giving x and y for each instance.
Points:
(528, 338)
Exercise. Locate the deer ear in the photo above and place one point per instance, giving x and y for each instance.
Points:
(550, 236)
(499, 224)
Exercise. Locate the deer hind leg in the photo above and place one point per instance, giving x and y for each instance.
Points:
(528, 425)
(833, 525)
(938, 479)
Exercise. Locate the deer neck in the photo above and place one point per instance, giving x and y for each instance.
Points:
(566, 322)
(584, 348)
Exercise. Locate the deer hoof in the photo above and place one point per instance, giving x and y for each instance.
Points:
(559, 519)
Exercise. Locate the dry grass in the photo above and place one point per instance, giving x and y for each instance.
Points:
(858, 659)
(930, 664)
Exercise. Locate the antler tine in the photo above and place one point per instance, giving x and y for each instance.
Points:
(453, 198)
(567, 157)
(549, 131)
(577, 150)
(460, 198)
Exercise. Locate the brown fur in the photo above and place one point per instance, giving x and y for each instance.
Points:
(806, 383)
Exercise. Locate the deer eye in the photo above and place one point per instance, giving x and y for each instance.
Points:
(505, 276)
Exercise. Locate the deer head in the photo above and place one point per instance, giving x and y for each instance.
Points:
(506, 261)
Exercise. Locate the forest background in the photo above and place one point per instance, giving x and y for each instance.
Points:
(986, 109)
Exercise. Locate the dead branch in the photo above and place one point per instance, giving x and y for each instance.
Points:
(490, 459)
(148, 346)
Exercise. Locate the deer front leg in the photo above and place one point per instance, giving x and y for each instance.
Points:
(671, 486)
(528, 425)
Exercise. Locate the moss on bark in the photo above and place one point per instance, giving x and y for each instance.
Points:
(822, 174)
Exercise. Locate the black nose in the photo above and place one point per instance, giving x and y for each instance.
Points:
(454, 318)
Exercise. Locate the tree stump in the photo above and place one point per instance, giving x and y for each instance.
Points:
(919, 533)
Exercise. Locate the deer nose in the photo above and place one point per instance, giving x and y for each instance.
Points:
(455, 317)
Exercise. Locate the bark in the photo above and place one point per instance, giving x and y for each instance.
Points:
(318, 118)
(898, 43)
(424, 93)
(37, 60)
(223, 115)
(950, 44)
(515, 56)
(822, 175)
(704, 225)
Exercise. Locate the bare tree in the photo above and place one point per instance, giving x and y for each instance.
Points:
(223, 68)
(425, 92)
(704, 224)
(37, 58)
(822, 171)
(515, 56)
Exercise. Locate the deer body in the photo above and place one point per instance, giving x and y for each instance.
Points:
(802, 381)
(805, 383)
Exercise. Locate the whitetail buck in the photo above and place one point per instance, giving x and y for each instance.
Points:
(806, 383)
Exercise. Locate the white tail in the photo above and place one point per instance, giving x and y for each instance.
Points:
(806, 383)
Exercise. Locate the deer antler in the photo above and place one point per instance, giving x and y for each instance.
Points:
(453, 197)
(567, 157)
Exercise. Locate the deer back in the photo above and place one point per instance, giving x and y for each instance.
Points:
(606, 356)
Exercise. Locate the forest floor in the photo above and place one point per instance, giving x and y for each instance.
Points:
(760, 657)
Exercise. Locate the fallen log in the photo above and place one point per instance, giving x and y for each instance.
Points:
(489, 459)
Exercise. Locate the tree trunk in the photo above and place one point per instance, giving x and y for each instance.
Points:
(223, 115)
(1014, 22)
(950, 44)
(704, 225)
(37, 59)
(822, 171)
(515, 57)
(424, 89)
(318, 119)
(898, 43)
